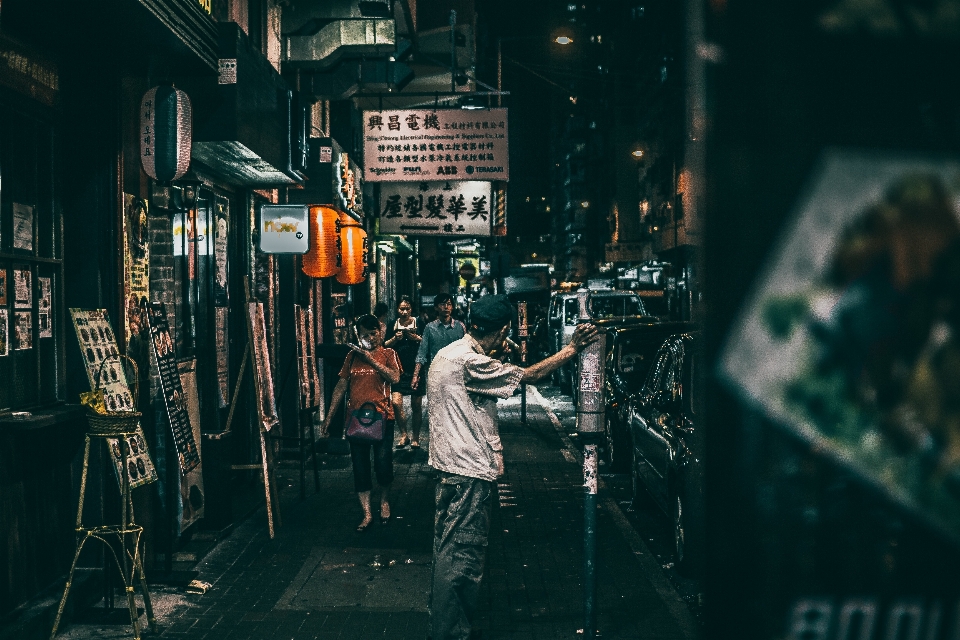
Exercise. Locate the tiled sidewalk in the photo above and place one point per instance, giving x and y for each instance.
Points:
(319, 578)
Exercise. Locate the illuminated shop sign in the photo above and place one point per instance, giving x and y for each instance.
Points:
(444, 144)
(436, 208)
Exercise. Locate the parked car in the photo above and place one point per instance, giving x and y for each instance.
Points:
(564, 313)
(632, 345)
(666, 423)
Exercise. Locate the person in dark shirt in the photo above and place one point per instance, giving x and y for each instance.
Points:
(404, 337)
(437, 335)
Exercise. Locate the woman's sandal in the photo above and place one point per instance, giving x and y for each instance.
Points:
(364, 526)
(414, 445)
(403, 441)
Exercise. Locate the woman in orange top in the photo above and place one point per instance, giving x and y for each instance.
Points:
(368, 372)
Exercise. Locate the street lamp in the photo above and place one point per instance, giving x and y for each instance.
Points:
(561, 39)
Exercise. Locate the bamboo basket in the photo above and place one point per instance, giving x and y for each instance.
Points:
(115, 422)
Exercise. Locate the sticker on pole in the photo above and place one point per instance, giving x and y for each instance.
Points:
(590, 373)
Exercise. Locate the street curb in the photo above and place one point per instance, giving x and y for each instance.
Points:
(652, 570)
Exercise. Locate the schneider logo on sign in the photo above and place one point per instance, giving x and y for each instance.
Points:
(442, 144)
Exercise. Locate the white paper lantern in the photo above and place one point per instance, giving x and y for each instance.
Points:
(166, 132)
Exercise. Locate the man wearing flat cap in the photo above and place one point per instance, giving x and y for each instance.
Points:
(463, 387)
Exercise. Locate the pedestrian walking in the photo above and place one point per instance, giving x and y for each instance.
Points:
(368, 372)
(405, 337)
(463, 387)
(436, 335)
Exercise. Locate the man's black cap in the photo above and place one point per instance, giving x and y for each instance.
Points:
(491, 312)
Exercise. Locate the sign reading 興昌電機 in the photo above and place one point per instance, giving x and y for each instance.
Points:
(443, 144)
(449, 208)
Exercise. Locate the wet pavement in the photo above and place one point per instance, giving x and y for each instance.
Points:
(319, 578)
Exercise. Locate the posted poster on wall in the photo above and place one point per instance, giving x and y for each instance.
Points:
(223, 369)
(220, 255)
(4, 334)
(98, 343)
(44, 307)
(22, 289)
(136, 253)
(22, 226)
(23, 330)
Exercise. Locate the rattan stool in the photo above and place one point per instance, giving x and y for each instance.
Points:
(127, 533)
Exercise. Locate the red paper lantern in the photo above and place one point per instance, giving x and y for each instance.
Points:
(353, 251)
(322, 259)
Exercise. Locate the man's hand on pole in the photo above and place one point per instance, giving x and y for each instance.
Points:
(585, 335)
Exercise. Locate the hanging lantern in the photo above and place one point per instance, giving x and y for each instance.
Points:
(322, 259)
(166, 132)
(353, 251)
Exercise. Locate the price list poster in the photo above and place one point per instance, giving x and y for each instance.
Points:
(98, 343)
(191, 503)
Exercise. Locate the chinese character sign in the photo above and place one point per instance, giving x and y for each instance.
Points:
(435, 208)
(445, 144)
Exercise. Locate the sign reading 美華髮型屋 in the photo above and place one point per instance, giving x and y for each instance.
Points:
(444, 144)
(435, 208)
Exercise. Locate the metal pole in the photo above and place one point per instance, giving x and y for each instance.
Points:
(453, 50)
(522, 334)
(499, 73)
(590, 424)
(590, 541)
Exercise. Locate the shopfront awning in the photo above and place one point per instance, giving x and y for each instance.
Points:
(243, 130)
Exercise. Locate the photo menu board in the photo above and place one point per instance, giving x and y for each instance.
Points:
(173, 396)
(97, 344)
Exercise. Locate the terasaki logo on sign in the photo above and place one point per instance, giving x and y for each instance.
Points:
(445, 144)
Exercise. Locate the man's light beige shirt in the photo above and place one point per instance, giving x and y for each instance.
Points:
(463, 386)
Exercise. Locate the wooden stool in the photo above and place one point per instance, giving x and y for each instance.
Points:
(129, 563)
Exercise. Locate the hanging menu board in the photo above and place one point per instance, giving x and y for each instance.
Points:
(98, 343)
(263, 376)
(173, 396)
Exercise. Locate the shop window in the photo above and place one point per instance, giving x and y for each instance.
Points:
(200, 249)
(31, 317)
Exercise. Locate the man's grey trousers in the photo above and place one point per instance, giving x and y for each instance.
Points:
(460, 532)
